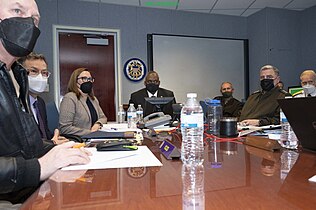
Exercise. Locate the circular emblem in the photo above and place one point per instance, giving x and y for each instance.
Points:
(135, 69)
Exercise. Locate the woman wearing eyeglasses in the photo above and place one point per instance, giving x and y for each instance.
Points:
(80, 112)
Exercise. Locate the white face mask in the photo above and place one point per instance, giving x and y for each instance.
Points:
(309, 89)
(37, 84)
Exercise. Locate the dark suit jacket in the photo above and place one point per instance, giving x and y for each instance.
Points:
(138, 97)
(42, 109)
(232, 108)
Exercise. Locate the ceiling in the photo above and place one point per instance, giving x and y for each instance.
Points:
(225, 7)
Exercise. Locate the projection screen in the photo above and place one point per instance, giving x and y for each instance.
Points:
(199, 64)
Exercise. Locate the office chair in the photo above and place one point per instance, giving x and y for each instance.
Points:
(176, 111)
(204, 107)
(53, 120)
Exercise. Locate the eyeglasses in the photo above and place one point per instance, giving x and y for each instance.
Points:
(86, 79)
(311, 82)
(267, 77)
(36, 72)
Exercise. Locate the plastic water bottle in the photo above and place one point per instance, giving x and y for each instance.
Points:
(288, 159)
(192, 128)
(131, 117)
(214, 115)
(193, 197)
(139, 114)
(121, 115)
(288, 138)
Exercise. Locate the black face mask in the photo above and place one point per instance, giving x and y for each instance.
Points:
(152, 88)
(267, 84)
(18, 35)
(86, 87)
(227, 94)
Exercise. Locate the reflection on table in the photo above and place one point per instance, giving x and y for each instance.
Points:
(248, 178)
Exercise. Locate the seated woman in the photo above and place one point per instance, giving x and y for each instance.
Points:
(80, 112)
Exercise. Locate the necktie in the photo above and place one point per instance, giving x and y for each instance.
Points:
(40, 120)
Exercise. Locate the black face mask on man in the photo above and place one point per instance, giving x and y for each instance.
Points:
(227, 94)
(152, 88)
(267, 84)
(18, 35)
(86, 87)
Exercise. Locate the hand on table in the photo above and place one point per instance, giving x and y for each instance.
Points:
(61, 156)
(57, 139)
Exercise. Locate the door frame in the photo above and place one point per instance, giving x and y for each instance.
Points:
(87, 30)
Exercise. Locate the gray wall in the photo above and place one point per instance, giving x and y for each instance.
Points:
(308, 39)
(275, 35)
(274, 39)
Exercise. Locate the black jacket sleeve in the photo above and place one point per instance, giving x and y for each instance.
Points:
(17, 173)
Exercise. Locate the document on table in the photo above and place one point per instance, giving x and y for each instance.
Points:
(118, 127)
(245, 130)
(142, 157)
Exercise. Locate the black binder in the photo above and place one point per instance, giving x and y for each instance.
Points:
(108, 135)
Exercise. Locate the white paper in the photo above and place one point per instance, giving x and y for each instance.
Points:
(274, 136)
(118, 127)
(118, 159)
(312, 179)
(245, 130)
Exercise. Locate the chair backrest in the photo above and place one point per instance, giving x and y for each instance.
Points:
(204, 107)
(53, 121)
(176, 110)
(52, 116)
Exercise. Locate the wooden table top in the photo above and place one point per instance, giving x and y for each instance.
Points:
(235, 177)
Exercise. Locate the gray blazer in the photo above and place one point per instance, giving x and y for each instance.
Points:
(75, 118)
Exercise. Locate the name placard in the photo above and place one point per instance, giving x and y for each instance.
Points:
(169, 150)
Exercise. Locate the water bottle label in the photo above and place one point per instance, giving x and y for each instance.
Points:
(139, 112)
(283, 118)
(131, 114)
(192, 121)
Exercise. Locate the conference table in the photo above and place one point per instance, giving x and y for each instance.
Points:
(235, 176)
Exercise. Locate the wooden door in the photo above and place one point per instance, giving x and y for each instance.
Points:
(99, 59)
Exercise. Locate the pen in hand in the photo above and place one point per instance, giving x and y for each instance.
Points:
(77, 146)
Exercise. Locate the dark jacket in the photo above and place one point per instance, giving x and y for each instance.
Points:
(138, 97)
(263, 106)
(231, 108)
(42, 109)
(21, 143)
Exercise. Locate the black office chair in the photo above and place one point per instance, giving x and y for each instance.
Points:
(204, 107)
(53, 120)
(176, 111)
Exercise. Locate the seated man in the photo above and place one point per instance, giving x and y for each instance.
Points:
(308, 82)
(152, 90)
(37, 70)
(24, 159)
(231, 106)
(262, 108)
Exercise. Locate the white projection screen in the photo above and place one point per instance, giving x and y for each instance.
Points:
(198, 64)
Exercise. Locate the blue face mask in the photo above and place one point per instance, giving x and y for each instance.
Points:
(18, 35)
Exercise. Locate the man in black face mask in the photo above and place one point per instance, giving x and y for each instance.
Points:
(231, 106)
(152, 90)
(262, 108)
(23, 162)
